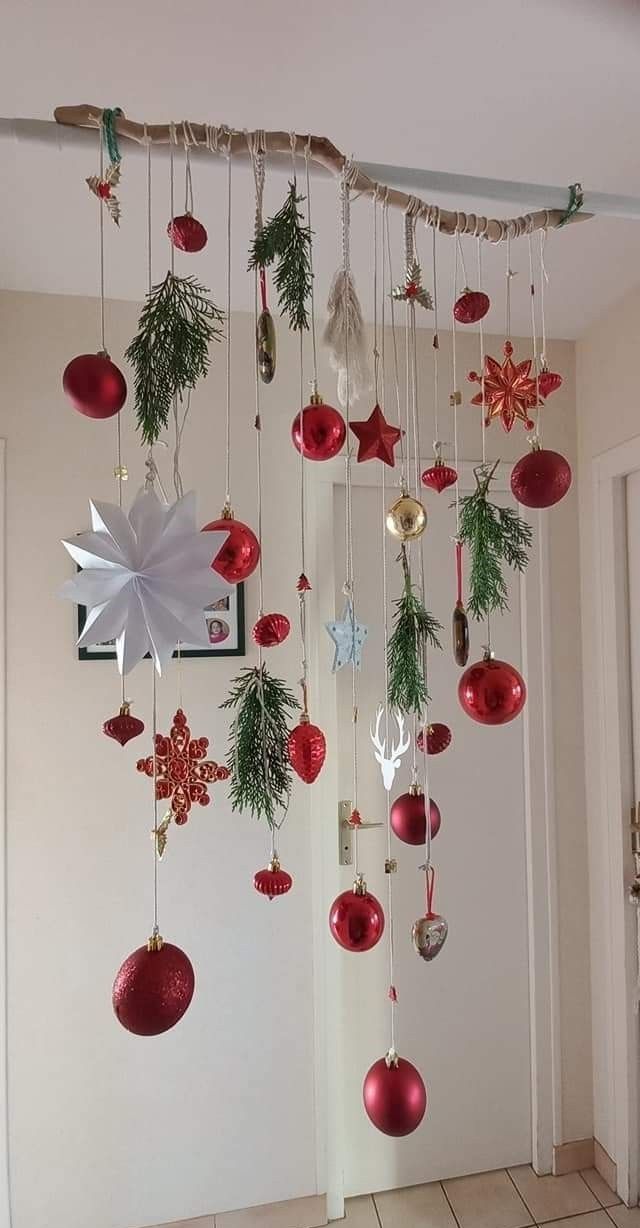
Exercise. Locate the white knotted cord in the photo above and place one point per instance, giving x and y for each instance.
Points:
(436, 337)
(394, 340)
(534, 341)
(454, 398)
(227, 417)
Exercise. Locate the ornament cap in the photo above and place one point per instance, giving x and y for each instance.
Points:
(274, 864)
(304, 718)
(415, 790)
(315, 398)
(155, 942)
(487, 653)
(227, 512)
(359, 885)
(391, 1059)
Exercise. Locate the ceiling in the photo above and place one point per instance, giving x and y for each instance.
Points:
(543, 91)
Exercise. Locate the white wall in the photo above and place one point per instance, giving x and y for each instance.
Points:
(107, 1128)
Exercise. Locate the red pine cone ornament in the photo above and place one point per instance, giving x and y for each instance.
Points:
(153, 988)
(271, 629)
(356, 919)
(240, 554)
(307, 749)
(439, 476)
(472, 306)
(273, 881)
(394, 1094)
(548, 382)
(409, 819)
(323, 430)
(94, 385)
(187, 233)
(438, 738)
(541, 478)
(124, 726)
(492, 692)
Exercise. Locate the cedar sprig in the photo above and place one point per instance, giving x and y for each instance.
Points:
(494, 535)
(414, 628)
(258, 759)
(170, 351)
(286, 241)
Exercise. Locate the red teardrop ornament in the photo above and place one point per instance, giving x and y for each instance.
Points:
(492, 692)
(472, 306)
(307, 750)
(271, 629)
(240, 554)
(153, 988)
(541, 478)
(356, 919)
(323, 428)
(439, 476)
(394, 1094)
(548, 382)
(124, 726)
(187, 233)
(94, 385)
(273, 881)
(408, 817)
(438, 738)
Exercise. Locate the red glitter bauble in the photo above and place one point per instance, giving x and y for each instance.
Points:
(94, 385)
(439, 476)
(324, 431)
(472, 306)
(492, 692)
(240, 554)
(395, 1097)
(307, 749)
(541, 478)
(187, 233)
(271, 629)
(408, 817)
(273, 881)
(153, 989)
(124, 726)
(438, 738)
(548, 382)
(356, 919)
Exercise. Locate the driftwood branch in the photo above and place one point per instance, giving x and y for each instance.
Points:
(323, 153)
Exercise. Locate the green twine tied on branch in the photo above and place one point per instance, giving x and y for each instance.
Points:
(109, 134)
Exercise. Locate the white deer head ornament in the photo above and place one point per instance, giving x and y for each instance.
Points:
(389, 764)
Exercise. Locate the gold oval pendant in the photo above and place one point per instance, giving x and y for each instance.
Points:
(266, 346)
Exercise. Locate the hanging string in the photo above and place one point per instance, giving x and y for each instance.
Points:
(188, 182)
(534, 341)
(227, 421)
(394, 339)
(376, 351)
(455, 394)
(314, 346)
(436, 339)
(154, 731)
(460, 254)
(509, 275)
(544, 281)
(481, 336)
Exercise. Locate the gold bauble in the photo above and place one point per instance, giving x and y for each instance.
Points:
(406, 518)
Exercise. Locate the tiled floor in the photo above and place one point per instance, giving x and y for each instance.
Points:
(508, 1198)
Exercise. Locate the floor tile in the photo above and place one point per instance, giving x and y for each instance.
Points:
(599, 1187)
(625, 1217)
(487, 1200)
(592, 1219)
(293, 1213)
(417, 1206)
(360, 1212)
(204, 1221)
(553, 1198)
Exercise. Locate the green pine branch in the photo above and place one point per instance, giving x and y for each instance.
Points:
(495, 536)
(170, 351)
(258, 758)
(414, 628)
(286, 241)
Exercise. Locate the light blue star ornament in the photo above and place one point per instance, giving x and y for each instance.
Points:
(348, 636)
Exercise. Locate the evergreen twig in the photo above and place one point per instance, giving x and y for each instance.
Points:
(170, 351)
(286, 240)
(414, 628)
(494, 535)
(258, 759)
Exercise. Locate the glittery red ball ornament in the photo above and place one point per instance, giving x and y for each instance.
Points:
(153, 988)
(94, 385)
(271, 629)
(409, 820)
(541, 478)
(439, 476)
(472, 306)
(307, 749)
(438, 738)
(492, 692)
(548, 382)
(356, 919)
(187, 233)
(323, 430)
(394, 1094)
(124, 726)
(273, 881)
(240, 554)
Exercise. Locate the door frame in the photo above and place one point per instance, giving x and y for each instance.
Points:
(539, 792)
(5, 1188)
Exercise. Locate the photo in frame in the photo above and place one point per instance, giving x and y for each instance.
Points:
(225, 627)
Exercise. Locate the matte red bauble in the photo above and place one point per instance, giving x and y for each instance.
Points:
(323, 428)
(124, 726)
(307, 749)
(408, 817)
(240, 554)
(548, 382)
(271, 629)
(492, 692)
(153, 988)
(541, 478)
(438, 738)
(187, 233)
(439, 476)
(94, 385)
(394, 1094)
(273, 881)
(472, 306)
(356, 919)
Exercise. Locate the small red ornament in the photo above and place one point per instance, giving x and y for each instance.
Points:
(409, 820)
(271, 629)
(182, 772)
(356, 919)
(303, 585)
(273, 881)
(509, 390)
(94, 385)
(439, 476)
(438, 738)
(376, 437)
(323, 429)
(187, 233)
(541, 478)
(124, 726)
(472, 306)
(394, 1094)
(307, 749)
(240, 554)
(492, 692)
(153, 988)
(548, 382)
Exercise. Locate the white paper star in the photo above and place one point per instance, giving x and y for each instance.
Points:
(348, 637)
(146, 578)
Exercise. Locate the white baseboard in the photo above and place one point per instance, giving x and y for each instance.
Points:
(572, 1157)
(308, 1212)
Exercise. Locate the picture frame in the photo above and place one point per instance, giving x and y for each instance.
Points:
(227, 638)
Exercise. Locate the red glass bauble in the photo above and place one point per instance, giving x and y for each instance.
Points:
(548, 382)
(541, 478)
(356, 919)
(240, 554)
(273, 881)
(271, 629)
(153, 988)
(438, 738)
(94, 385)
(124, 726)
(408, 817)
(472, 306)
(395, 1097)
(307, 750)
(492, 692)
(187, 233)
(324, 431)
(439, 476)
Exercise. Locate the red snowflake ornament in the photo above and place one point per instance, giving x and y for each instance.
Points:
(182, 772)
(509, 389)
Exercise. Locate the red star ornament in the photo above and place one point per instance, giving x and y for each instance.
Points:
(376, 437)
(182, 772)
(509, 390)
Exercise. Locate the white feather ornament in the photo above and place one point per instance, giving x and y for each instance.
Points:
(344, 334)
